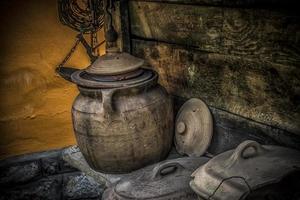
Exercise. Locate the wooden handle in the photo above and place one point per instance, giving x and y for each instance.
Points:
(107, 95)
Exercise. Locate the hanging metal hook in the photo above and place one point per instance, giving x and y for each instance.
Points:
(111, 35)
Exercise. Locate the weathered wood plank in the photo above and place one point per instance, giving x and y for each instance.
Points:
(193, 2)
(230, 130)
(268, 35)
(259, 90)
(234, 3)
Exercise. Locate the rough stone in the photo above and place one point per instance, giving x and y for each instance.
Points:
(75, 158)
(65, 166)
(50, 166)
(43, 189)
(44, 176)
(19, 173)
(80, 186)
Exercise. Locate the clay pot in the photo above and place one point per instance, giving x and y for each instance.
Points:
(122, 118)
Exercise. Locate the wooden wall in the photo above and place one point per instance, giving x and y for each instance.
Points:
(240, 57)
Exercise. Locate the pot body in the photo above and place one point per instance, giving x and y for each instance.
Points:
(123, 129)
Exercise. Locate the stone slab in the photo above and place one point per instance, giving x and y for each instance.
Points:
(81, 186)
(75, 158)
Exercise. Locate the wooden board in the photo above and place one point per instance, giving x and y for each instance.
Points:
(265, 92)
(233, 3)
(269, 35)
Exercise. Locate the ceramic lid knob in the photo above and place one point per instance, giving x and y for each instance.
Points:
(181, 128)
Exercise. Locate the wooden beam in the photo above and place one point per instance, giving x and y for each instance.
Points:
(120, 15)
(125, 26)
(269, 4)
(263, 34)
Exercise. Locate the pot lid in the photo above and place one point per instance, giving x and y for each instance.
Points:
(138, 77)
(114, 62)
(194, 128)
(160, 181)
(233, 174)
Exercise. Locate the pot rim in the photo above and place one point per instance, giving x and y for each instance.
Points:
(147, 76)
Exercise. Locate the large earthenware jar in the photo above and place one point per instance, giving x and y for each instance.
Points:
(122, 118)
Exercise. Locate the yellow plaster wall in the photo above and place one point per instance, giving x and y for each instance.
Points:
(35, 102)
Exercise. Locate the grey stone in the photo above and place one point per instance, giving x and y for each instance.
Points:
(80, 186)
(65, 167)
(29, 157)
(74, 157)
(19, 173)
(50, 166)
(56, 165)
(43, 189)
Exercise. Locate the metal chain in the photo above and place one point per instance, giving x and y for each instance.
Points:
(86, 21)
(70, 52)
(94, 43)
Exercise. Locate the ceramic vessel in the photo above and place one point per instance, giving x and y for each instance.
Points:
(122, 118)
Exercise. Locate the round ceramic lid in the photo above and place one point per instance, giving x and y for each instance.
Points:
(114, 63)
(194, 128)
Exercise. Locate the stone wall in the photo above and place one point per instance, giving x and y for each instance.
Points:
(44, 176)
